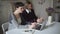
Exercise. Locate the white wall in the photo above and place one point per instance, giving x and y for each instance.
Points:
(40, 9)
(5, 8)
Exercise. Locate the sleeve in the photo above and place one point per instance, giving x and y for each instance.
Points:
(23, 21)
(35, 17)
(10, 18)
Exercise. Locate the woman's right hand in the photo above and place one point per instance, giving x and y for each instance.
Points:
(33, 25)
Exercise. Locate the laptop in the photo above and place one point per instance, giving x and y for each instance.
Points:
(41, 26)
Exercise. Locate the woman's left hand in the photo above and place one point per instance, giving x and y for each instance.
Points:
(39, 20)
(33, 25)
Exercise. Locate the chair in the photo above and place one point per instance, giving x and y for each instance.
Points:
(5, 27)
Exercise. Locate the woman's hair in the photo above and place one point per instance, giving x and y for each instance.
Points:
(28, 2)
(19, 4)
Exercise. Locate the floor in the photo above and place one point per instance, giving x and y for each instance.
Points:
(1, 32)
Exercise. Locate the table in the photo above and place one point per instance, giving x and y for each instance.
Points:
(54, 29)
(20, 31)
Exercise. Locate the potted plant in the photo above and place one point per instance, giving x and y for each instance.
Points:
(49, 11)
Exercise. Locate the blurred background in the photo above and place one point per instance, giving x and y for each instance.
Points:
(39, 6)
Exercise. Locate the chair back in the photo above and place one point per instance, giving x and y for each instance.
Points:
(5, 27)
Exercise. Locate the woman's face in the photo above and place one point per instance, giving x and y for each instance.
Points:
(20, 9)
(29, 6)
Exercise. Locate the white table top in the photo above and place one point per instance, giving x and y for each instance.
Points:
(54, 29)
(19, 31)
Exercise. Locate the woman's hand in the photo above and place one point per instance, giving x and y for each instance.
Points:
(33, 25)
(39, 20)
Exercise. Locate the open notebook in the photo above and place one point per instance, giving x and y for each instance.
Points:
(41, 26)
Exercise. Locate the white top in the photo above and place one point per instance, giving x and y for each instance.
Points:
(27, 11)
(19, 20)
(53, 29)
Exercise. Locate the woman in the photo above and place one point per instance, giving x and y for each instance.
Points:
(35, 19)
(27, 15)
